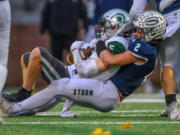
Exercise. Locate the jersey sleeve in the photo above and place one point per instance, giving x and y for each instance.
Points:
(117, 45)
(137, 7)
(139, 49)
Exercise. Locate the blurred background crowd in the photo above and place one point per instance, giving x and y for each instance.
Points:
(54, 25)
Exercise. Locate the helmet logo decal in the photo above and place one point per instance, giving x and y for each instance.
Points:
(120, 18)
(152, 21)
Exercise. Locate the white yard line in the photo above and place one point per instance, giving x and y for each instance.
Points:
(89, 123)
(120, 115)
(86, 112)
(135, 115)
(145, 100)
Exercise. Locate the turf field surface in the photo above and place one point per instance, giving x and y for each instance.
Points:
(138, 114)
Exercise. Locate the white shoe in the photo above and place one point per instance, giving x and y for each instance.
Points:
(175, 115)
(4, 106)
(171, 111)
(67, 114)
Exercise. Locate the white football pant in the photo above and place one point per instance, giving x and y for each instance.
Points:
(100, 95)
(5, 24)
(169, 47)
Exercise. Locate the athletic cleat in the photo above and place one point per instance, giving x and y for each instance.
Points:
(5, 106)
(22, 94)
(171, 111)
(67, 114)
(164, 113)
(175, 115)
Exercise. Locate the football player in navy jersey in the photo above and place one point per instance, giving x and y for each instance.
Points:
(168, 50)
(137, 63)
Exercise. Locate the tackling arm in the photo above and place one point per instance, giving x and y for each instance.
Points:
(118, 59)
(110, 59)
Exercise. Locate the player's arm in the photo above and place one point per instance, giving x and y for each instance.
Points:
(89, 67)
(165, 3)
(118, 59)
(138, 6)
(110, 60)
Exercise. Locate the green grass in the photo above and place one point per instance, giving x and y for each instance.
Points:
(13, 125)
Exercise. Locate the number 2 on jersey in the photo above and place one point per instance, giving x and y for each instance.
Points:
(136, 48)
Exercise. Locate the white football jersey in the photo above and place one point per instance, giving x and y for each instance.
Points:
(115, 45)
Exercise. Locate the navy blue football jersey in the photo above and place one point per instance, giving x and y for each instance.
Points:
(174, 6)
(131, 76)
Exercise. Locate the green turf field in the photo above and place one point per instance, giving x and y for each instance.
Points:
(140, 110)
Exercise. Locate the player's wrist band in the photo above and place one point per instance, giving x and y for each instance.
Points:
(100, 46)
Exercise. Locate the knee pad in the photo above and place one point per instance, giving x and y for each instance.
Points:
(26, 58)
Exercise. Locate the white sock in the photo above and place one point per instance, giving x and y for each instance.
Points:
(3, 76)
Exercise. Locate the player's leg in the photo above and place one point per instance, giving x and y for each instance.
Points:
(168, 52)
(53, 69)
(102, 96)
(39, 61)
(5, 22)
(31, 69)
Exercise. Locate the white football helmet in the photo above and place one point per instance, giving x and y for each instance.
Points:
(152, 23)
(115, 22)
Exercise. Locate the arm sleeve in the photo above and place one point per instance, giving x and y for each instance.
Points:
(138, 6)
(139, 50)
(85, 68)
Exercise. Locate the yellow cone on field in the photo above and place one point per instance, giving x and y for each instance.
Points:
(126, 125)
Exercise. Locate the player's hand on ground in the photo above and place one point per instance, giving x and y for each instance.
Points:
(77, 45)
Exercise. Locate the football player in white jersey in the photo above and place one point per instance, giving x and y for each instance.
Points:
(171, 10)
(5, 24)
(137, 63)
(39, 61)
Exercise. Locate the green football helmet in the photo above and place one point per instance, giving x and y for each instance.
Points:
(115, 22)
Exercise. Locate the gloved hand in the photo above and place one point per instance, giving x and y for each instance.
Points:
(76, 45)
(165, 3)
